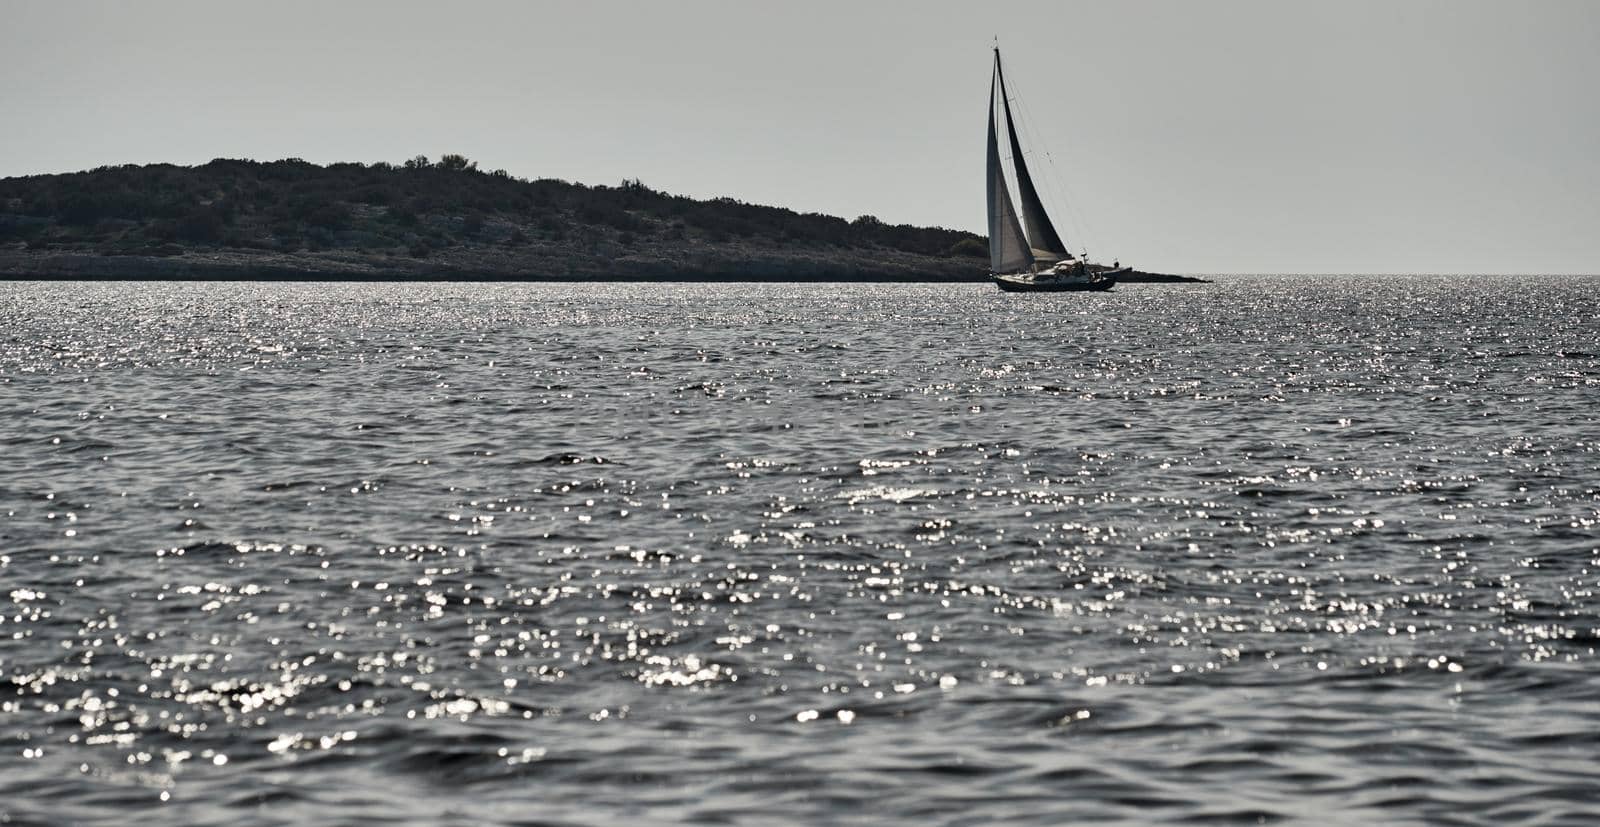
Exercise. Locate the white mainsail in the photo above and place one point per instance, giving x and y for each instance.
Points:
(1008, 247)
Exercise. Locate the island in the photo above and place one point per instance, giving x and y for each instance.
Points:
(440, 220)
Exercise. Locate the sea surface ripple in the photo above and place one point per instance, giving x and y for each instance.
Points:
(1273, 549)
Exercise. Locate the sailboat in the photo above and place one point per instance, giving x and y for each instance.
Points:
(1036, 260)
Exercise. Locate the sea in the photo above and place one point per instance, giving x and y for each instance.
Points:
(1272, 549)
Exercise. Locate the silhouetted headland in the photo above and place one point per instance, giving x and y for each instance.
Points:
(444, 220)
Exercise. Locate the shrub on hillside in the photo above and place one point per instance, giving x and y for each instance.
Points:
(972, 247)
(456, 163)
(331, 216)
(202, 226)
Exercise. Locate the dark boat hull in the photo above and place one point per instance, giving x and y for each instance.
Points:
(1106, 281)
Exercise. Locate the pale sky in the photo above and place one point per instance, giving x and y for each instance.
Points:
(1370, 136)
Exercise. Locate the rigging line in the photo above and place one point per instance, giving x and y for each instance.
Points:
(1027, 134)
(1087, 234)
(1080, 224)
(1024, 115)
(1079, 218)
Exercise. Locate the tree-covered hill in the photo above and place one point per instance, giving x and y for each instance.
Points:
(290, 218)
